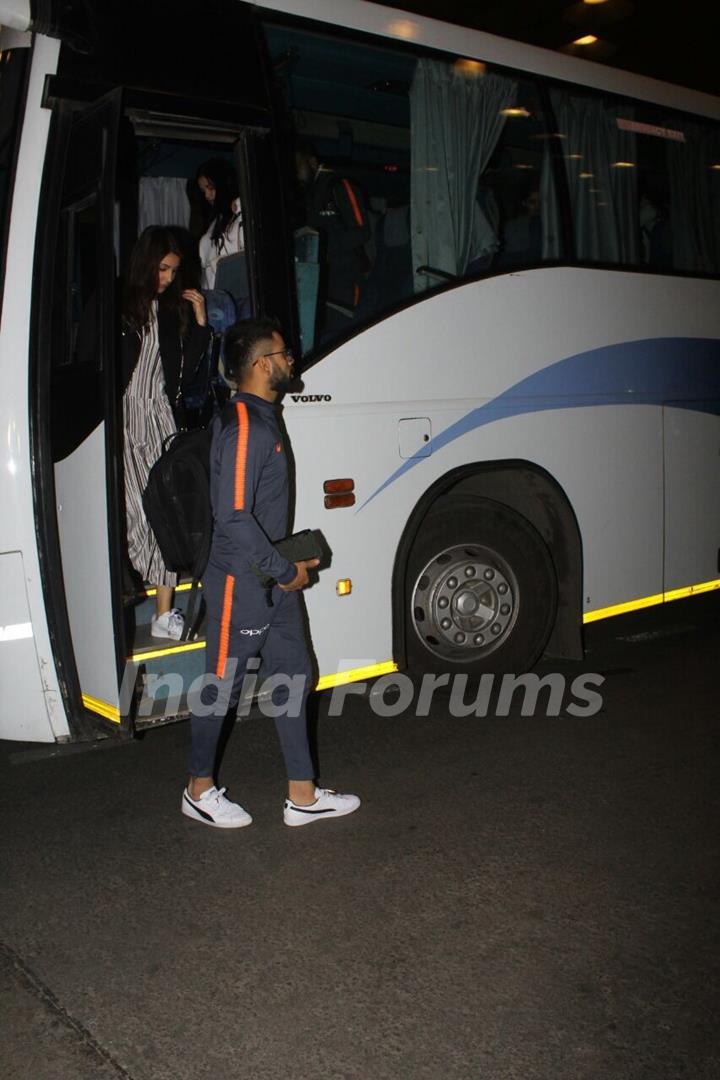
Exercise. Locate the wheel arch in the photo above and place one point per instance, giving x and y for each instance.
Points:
(530, 491)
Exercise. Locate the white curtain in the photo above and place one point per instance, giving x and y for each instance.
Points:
(456, 120)
(163, 201)
(694, 214)
(601, 164)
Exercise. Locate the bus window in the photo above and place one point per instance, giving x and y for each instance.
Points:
(693, 168)
(422, 172)
(644, 183)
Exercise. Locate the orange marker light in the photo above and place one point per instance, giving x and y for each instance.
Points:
(335, 487)
(344, 587)
(334, 502)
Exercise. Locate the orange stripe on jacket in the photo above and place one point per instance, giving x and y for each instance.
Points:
(359, 220)
(225, 626)
(241, 454)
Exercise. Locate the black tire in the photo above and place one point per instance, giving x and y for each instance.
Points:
(480, 589)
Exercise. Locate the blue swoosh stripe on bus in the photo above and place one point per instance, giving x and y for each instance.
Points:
(653, 371)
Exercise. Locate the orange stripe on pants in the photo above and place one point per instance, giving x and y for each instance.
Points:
(241, 454)
(225, 626)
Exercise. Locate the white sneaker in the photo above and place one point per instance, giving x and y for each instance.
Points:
(168, 625)
(212, 808)
(328, 804)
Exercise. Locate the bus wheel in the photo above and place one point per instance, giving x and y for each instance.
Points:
(481, 590)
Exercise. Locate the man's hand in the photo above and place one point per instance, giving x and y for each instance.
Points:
(301, 578)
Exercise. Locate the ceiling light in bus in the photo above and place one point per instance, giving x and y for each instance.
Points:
(574, 157)
(594, 1)
(587, 175)
(715, 168)
(344, 586)
(622, 164)
(588, 39)
(523, 165)
(514, 111)
(403, 28)
(472, 68)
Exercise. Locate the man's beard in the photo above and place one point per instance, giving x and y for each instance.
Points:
(280, 380)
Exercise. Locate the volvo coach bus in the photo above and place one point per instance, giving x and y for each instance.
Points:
(507, 428)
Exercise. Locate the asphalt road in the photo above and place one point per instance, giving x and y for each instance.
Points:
(519, 897)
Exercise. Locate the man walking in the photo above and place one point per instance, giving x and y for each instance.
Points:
(249, 492)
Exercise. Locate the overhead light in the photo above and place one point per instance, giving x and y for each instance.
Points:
(622, 164)
(587, 176)
(594, 1)
(515, 110)
(715, 168)
(589, 39)
(472, 68)
(523, 165)
(403, 28)
(574, 157)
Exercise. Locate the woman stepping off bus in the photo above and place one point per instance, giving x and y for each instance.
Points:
(165, 335)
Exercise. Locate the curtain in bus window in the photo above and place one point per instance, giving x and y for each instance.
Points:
(456, 120)
(694, 215)
(601, 162)
(549, 208)
(163, 201)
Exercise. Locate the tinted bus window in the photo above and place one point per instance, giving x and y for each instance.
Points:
(644, 183)
(412, 172)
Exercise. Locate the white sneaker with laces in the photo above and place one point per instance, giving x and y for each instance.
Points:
(328, 804)
(212, 808)
(168, 625)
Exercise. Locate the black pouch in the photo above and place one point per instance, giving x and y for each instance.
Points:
(296, 548)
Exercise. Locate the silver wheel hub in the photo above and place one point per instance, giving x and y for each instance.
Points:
(464, 602)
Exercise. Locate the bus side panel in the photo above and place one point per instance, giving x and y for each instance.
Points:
(41, 716)
(23, 714)
(692, 496)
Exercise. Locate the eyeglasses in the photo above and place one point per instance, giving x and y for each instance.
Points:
(287, 353)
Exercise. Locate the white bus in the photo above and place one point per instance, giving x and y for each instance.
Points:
(510, 429)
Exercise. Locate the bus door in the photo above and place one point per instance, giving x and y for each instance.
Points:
(74, 412)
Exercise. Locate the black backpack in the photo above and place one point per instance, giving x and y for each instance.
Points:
(177, 505)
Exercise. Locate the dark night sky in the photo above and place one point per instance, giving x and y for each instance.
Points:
(634, 34)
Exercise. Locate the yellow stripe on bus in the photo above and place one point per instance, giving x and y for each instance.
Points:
(186, 586)
(325, 682)
(650, 601)
(102, 708)
(153, 654)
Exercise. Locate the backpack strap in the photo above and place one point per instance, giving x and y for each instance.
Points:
(191, 614)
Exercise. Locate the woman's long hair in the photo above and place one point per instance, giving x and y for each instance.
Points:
(141, 286)
(222, 176)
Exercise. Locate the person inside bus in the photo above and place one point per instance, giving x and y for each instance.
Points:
(217, 180)
(164, 337)
(335, 206)
(655, 233)
(522, 235)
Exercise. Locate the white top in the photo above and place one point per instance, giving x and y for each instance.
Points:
(211, 251)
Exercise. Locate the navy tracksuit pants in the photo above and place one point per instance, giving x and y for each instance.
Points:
(241, 627)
